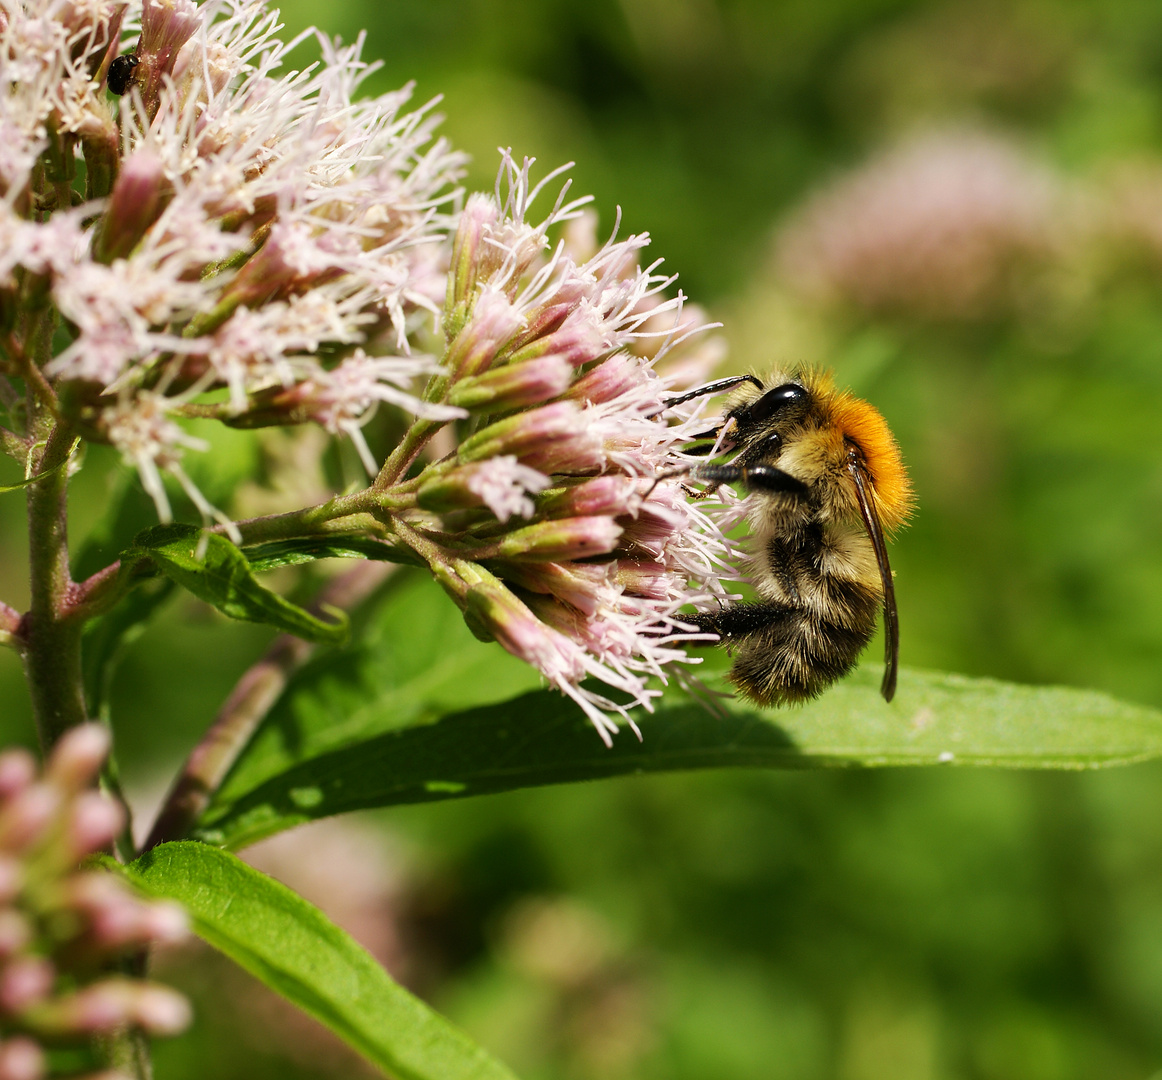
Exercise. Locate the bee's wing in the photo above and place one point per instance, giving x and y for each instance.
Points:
(871, 521)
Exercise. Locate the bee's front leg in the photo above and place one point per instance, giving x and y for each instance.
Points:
(753, 478)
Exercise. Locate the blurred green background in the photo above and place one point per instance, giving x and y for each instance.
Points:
(958, 207)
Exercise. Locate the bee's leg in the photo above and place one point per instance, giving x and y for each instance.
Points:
(704, 449)
(694, 495)
(784, 654)
(740, 620)
(753, 478)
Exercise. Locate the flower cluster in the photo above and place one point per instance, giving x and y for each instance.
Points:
(257, 246)
(555, 521)
(240, 229)
(932, 229)
(61, 928)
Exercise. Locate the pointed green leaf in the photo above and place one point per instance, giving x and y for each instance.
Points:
(216, 571)
(293, 948)
(303, 549)
(396, 720)
(411, 662)
(20, 485)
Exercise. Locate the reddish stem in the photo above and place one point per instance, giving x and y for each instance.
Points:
(250, 700)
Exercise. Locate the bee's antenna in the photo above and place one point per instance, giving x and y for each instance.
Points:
(707, 391)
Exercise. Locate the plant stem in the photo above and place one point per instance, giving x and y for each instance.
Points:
(328, 517)
(404, 454)
(128, 1051)
(51, 646)
(52, 643)
(250, 701)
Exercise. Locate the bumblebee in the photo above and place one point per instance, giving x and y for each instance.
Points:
(825, 483)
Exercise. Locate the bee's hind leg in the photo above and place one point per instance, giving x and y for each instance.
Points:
(782, 654)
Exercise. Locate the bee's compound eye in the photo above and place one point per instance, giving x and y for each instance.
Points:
(776, 400)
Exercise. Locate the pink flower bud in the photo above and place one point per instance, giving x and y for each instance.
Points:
(648, 579)
(162, 1011)
(501, 483)
(28, 816)
(95, 822)
(660, 518)
(165, 923)
(134, 205)
(532, 433)
(17, 771)
(480, 213)
(517, 629)
(493, 321)
(542, 322)
(577, 456)
(613, 496)
(580, 339)
(116, 918)
(24, 982)
(110, 1005)
(513, 386)
(609, 380)
(291, 258)
(77, 758)
(166, 25)
(21, 1059)
(577, 584)
(568, 538)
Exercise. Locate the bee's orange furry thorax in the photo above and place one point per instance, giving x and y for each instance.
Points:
(863, 425)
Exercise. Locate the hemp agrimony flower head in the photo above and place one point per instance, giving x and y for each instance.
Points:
(939, 227)
(62, 927)
(241, 230)
(260, 248)
(547, 523)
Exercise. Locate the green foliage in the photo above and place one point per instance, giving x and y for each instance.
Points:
(263, 557)
(295, 950)
(20, 485)
(214, 570)
(385, 724)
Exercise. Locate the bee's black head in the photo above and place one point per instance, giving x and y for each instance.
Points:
(788, 399)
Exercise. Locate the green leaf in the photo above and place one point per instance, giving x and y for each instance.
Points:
(293, 948)
(412, 660)
(385, 723)
(214, 570)
(264, 557)
(20, 485)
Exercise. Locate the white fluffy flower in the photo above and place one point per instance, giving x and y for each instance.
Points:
(258, 216)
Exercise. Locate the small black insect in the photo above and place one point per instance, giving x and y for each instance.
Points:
(122, 72)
